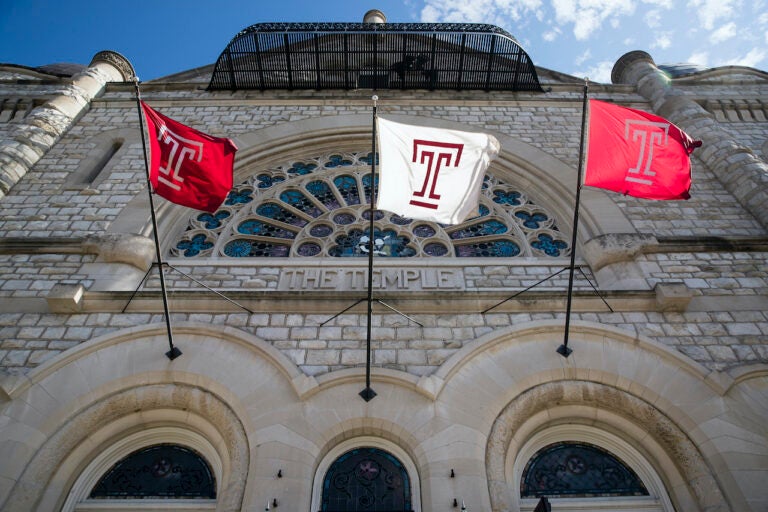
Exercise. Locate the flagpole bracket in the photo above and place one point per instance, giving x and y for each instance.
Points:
(173, 353)
(368, 394)
(564, 351)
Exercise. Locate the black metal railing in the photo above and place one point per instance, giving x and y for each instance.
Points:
(374, 56)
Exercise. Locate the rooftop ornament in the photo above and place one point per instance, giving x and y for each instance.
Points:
(432, 56)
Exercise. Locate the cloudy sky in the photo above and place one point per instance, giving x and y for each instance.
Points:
(579, 37)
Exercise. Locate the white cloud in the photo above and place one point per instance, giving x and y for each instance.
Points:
(581, 59)
(723, 33)
(587, 16)
(662, 41)
(710, 12)
(551, 35)
(600, 72)
(480, 11)
(701, 58)
(754, 57)
(652, 18)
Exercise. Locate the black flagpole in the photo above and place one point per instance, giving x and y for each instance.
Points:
(563, 349)
(369, 393)
(174, 352)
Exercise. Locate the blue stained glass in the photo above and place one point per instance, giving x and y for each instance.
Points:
(495, 248)
(344, 218)
(377, 215)
(321, 230)
(435, 249)
(276, 212)
(194, 246)
(301, 202)
(301, 168)
(336, 161)
(347, 186)
(508, 198)
(549, 245)
(323, 193)
(259, 228)
(213, 221)
(531, 221)
(367, 186)
(266, 181)
(386, 243)
(238, 248)
(491, 227)
(484, 212)
(368, 158)
(244, 248)
(239, 197)
(309, 249)
(424, 231)
(400, 221)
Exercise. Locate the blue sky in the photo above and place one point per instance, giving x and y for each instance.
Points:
(579, 37)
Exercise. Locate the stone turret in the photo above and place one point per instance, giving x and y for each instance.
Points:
(48, 122)
(740, 171)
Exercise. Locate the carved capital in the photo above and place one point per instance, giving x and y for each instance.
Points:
(117, 61)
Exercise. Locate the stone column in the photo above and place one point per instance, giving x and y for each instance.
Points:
(48, 122)
(740, 171)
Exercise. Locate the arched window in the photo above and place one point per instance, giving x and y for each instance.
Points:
(582, 467)
(569, 469)
(367, 479)
(160, 471)
(321, 207)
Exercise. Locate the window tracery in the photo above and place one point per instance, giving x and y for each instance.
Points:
(321, 207)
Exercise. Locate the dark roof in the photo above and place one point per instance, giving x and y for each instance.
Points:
(319, 56)
(681, 69)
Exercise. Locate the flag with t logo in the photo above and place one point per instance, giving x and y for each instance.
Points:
(188, 167)
(636, 153)
(432, 174)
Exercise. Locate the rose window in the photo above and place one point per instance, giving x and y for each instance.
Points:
(321, 207)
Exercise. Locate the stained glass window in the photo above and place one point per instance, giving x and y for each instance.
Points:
(320, 207)
(160, 471)
(578, 470)
(367, 479)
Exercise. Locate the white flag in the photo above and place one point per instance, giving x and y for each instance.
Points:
(431, 173)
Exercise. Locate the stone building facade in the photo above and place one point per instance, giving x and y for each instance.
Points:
(667, 384)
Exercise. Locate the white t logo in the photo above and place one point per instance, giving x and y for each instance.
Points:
(648, 134)
(180, 149)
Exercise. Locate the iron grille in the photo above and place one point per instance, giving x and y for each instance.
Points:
(319, 56)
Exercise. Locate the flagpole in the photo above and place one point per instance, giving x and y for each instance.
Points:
(368, 393)
(563, 349)
(174, 352)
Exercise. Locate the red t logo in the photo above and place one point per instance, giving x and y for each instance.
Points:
(434, 155)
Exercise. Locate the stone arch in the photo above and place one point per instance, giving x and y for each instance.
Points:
(87, 399)
(691, 484)
(517, 375)
(38, 485)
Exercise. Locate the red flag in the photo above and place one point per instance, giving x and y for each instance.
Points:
(188, 167)
(637, 153)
